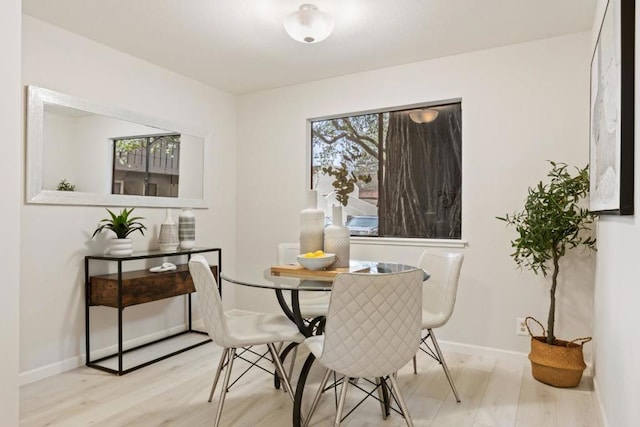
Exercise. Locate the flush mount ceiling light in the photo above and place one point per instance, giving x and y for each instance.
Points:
(425, 115)
(308, 24)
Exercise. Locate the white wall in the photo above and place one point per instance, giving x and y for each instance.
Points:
(10, 120)
(617, 376)
(56, 238)
(521, 105)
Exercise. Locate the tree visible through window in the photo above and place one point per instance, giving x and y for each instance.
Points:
(399, 171)
(146, 165)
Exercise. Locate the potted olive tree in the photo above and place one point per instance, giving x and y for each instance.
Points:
(552, 222)
(122, 225)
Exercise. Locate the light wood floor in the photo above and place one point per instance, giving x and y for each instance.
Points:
(174, 393)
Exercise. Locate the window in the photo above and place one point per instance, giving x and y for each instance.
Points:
(397, 173)
(146, 165)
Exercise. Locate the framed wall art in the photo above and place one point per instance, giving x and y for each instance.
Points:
(611, 145)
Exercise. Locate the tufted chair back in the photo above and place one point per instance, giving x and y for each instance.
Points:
(439, 295)
(209, 301)
(374, 323)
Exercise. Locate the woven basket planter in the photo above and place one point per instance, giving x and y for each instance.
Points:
(559, 365)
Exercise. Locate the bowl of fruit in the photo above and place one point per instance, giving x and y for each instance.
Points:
(317, 260)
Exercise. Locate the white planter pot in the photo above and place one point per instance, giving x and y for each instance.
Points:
(120, 247)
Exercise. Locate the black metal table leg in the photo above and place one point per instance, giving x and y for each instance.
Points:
(283, 305)
(120, 309)
(297, 401)
(385, 396)
(295, 315)
(87, 302)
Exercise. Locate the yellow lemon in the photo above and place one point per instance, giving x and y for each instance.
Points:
(318, 254)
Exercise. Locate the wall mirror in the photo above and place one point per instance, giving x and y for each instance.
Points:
(81, 153)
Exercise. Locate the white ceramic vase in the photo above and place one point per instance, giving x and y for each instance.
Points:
(187, 228)
(336, 239)
(120, 247)
(168, 238)
(311, 225)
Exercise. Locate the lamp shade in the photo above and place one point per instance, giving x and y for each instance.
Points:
(424, 116)
(308, 24)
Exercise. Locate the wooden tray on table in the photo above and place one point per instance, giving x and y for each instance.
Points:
(298, 271)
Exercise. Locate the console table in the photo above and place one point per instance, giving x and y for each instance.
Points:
(124, 289)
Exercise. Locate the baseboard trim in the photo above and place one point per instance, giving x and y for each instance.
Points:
(498, 353)
(476, 350)
(37, 374)
(602, 417)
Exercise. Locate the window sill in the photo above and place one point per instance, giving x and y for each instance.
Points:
(398, 241)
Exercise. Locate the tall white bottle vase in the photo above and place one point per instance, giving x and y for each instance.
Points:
(336, 239)
(311, 225)
(168, 238)
(187, 229)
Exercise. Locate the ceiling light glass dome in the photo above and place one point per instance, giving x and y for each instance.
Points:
(308, 24)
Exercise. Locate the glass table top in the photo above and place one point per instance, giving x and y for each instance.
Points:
(321, 282)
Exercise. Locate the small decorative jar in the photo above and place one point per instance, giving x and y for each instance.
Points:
(187, 229)
(168, 238)
(337, 239)
(311, 225)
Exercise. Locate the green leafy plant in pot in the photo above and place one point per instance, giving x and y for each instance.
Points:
(64, 185)
(122, 225)
(552, 222)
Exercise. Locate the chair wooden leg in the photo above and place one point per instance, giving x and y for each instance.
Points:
(379, 385)
(225, 385)
(343, 397)
(401, 402)
(316, 399)
(280, 369)
(218, 371)
(444, 365)
(415, 365)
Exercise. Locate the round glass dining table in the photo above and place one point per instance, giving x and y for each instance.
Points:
(294, 280)
(298, 279)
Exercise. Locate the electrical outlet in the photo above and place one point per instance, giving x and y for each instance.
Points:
(521, 327)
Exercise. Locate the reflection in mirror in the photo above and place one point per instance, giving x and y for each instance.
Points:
(107, 156)
(147, 165)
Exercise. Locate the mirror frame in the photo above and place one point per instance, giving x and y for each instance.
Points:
(37, 97)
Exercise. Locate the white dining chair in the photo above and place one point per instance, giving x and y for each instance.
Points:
(237, 329)
(372, 330)
(438, 301)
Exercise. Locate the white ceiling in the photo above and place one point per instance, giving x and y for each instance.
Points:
(240, 45)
